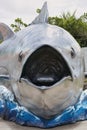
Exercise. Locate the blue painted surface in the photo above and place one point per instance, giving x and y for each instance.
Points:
(10, 110)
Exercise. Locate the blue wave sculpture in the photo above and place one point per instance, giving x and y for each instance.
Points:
(11, 110)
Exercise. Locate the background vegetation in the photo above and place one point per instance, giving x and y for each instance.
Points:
(18, 24)
(76, 26)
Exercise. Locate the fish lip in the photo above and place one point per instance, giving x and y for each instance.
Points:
(70, 74)
(46, 87)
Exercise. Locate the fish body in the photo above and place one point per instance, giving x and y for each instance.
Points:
(45, 67)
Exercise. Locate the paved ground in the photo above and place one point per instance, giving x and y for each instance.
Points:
(5, 125)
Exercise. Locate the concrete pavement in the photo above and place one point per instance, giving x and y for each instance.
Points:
(7, 125)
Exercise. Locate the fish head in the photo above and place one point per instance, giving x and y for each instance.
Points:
(45, 67)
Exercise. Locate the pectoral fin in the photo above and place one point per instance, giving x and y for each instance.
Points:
(5, 31)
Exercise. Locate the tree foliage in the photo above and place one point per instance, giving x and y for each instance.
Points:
(76, 26)
(18, 25)
(1, 41)
(1, 38)
(38, 10)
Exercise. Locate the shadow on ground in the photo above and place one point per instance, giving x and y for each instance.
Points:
(7, 125)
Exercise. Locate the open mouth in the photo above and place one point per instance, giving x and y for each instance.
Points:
(45, 67)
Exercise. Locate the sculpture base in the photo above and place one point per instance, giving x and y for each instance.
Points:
(10, 110)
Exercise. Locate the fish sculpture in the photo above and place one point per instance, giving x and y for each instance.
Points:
(43, 66)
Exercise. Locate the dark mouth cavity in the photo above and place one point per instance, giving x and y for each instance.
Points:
(45, 67)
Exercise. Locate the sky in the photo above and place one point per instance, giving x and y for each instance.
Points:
(26, 9)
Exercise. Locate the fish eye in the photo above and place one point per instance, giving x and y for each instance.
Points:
(20, 56)
(73, 54)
